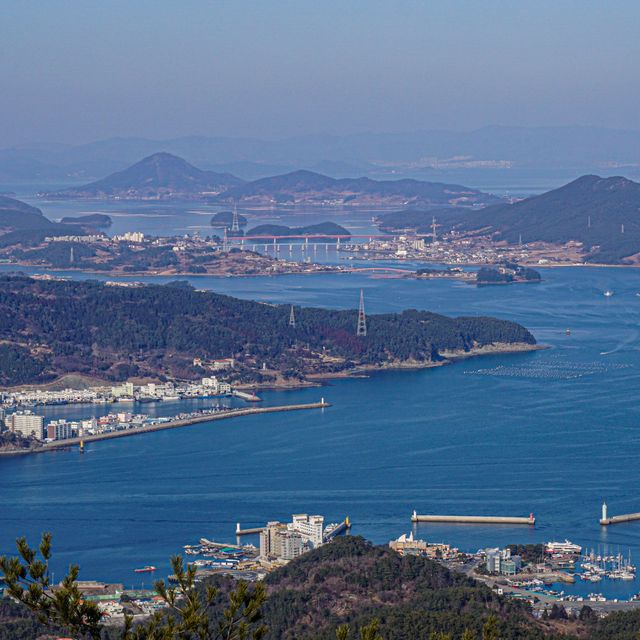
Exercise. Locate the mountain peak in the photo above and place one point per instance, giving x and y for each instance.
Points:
(158, 176)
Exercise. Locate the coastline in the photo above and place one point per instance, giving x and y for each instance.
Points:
(174, 424)
(450, 357)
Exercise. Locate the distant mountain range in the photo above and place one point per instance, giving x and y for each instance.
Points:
(309, 188)
(419, 154)
(165, 176)
(601, 213)
(161, 175)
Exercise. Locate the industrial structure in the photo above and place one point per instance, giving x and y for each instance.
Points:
(362, 318)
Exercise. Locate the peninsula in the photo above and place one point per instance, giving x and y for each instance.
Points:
(57, 327)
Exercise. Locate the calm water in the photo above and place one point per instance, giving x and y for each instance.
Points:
(554, 432)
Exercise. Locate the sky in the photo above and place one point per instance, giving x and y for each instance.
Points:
(73, 71)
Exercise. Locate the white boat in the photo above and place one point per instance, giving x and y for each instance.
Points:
(563, 547)
(608, 293)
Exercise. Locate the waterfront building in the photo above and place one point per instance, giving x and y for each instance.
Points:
(124, 390)
(269, 545)
(311, 528)
(501, 561)
(59, 430)
(291, 545)
(27, 424)
(406, 545)
(284, 542)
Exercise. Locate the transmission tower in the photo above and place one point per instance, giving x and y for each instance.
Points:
(433, 230)
(235, 224)
(292, 318)
(225, 241)
(362, 318)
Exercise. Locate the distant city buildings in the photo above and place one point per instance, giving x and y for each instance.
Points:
(129, 236)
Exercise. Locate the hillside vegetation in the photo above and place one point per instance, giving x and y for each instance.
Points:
(49, 328)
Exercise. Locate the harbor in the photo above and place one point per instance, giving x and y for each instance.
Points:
(391, 442)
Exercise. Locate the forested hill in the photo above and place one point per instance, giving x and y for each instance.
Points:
(352, 582)
(601, 213)
(49, 328)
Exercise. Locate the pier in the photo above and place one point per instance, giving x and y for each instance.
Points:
(415, 517)
(606, 520)
(343, 526)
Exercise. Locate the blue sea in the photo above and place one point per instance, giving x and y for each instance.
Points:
(553, 432)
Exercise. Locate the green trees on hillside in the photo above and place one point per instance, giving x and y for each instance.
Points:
(186, 616)
(53, 327)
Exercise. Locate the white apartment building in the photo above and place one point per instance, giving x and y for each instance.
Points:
(27, 424)
(311, 528)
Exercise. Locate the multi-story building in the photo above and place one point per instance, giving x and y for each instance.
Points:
(291, 545)
(277, 542)
(311, 528)
(501, 561)
(125, 390)
(27, 424)
(269, 543)
(59, 430)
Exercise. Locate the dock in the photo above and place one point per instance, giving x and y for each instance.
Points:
(343, 526)
(415, 517)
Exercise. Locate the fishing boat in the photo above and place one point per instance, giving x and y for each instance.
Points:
(147, 569)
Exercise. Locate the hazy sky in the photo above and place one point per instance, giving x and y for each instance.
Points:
(79, 70)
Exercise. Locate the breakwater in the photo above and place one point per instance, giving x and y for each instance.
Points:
(415, 517)
(173, 424)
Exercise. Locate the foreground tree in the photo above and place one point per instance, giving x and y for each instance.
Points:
(187, 613)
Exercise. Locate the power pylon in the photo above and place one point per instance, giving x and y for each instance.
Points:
(292, 318)
(362, 318)
(235, 224)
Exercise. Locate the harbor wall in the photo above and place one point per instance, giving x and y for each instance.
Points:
(223, 415)
(473, 519)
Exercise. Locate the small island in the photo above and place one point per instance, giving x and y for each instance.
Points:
(502, 273)
(95, 220)
(506, 273)
(320, 232)
(224, 219)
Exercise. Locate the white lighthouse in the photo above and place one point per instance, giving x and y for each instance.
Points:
(604, 511)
